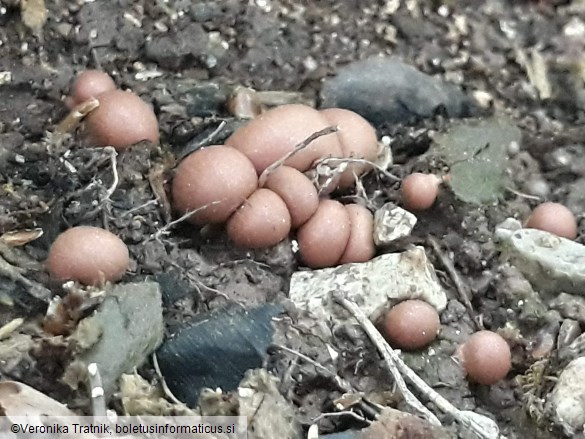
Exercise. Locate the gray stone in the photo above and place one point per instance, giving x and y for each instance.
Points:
(569, 306)
(391, 223)
(385, 90)
(551, 264)
(373, 285)
(175, 48)
(567, 400)
(126, 328)
(568, 333)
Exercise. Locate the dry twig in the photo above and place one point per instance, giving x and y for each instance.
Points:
(480, 425)
(16, 274)
(523, 195)
(113, 154)
(340, 382)
(302, 145)
(388, 355)
(163, 383)
(461, 287)
(179, 220)
(337, 162)
(74, 117)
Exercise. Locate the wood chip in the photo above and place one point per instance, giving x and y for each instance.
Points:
(19, 238)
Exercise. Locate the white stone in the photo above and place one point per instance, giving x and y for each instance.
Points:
(567, 400)
(391, 223)
(374, 285)
(550, 263)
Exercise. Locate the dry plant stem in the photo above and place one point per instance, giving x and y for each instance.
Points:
(142, 206)
(213, 134)
(15, 274)
(109, 192)
(277, 164)
(184, 217)
(340, 382)
(10, 327)
(18, 257)
(113, 154)
(523, 195)
(286, 382)
(98, 400)
(336, 161)
(206, 141)
(389, 356)
(18, 238)
(75, 116)
(461, 287)
(480, 425)
(213, 290)
(339, 414)
(156, 179)
(163, 383)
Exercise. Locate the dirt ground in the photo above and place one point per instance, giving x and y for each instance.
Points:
(185, 57)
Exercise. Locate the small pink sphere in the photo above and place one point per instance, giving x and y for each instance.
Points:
(486, 357)
(419, 191)
(553, 218)
(412, 324)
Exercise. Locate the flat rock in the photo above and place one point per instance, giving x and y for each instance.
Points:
(391, 223)
(551, 264)
(126, 328)
(374, 285)
(385, 90)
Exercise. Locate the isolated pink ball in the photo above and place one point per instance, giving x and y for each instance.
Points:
(89, 255)
(419, 191)
(553, 218)
(486, 357)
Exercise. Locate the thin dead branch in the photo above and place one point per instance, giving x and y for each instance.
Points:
(73, 119)
(480, 425)
(113, 158)
(185, 217)
(163, 383)
(389, 359)
(340, 382)
(299, 147)
(337, 162)
(16, 274)
(523, 195)
(462, 288)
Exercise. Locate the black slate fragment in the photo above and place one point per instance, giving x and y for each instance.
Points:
(216, 351)
(385, 90)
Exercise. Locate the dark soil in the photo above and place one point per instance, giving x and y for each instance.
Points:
(170, 52)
